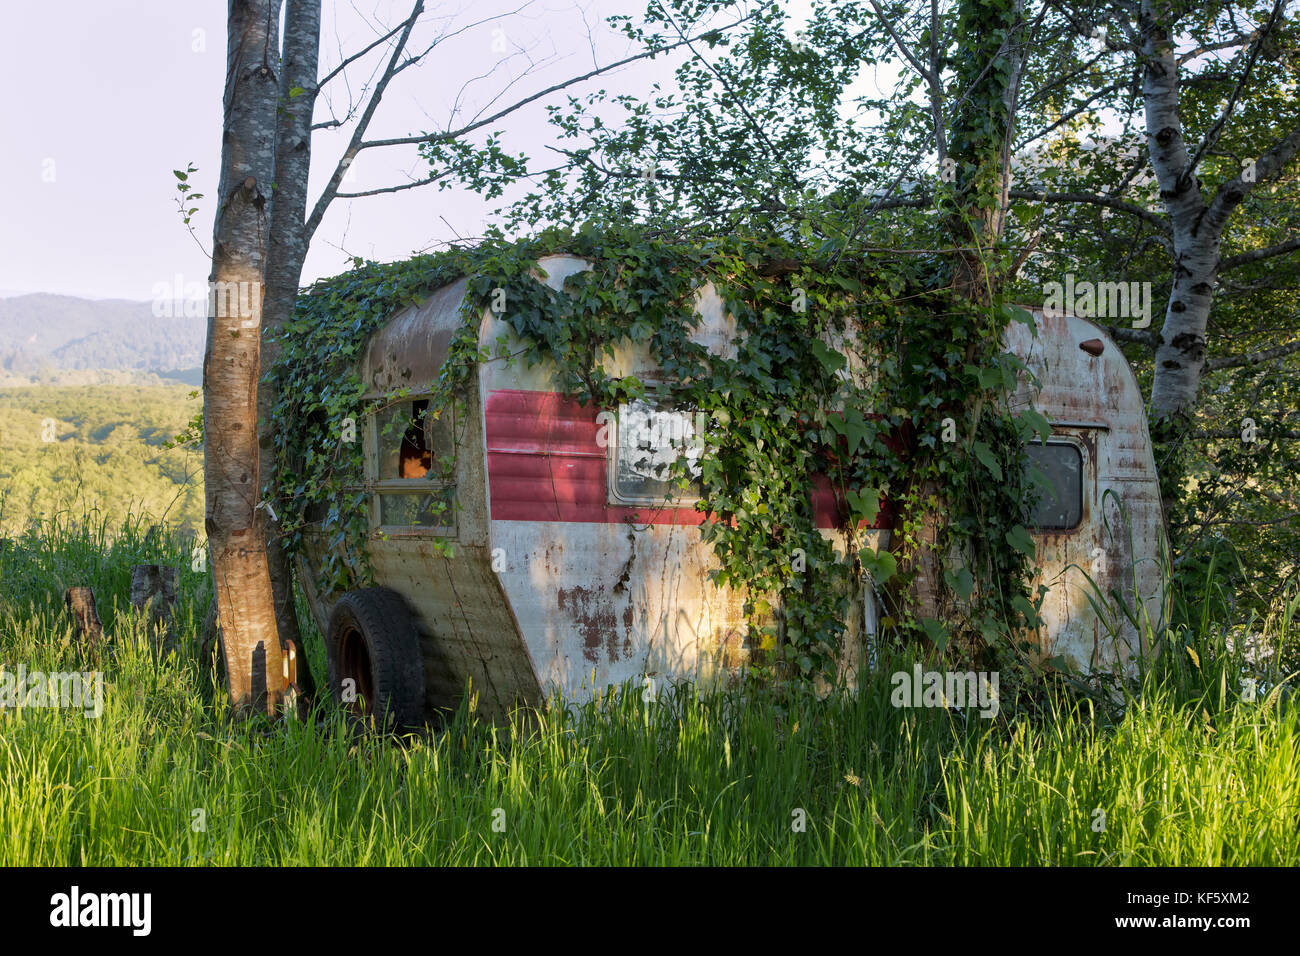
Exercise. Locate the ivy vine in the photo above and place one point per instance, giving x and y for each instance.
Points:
(851, 367)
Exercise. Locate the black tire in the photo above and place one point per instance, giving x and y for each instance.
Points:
(373, 642)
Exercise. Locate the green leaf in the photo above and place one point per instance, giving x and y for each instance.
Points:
(935, 631)
(296, 92)
(865, 503)
(830, 359)
(961, 582)
(1021, 604)
(880, 565)
(855, 429)
(1030, 420)
(988, 459)
(1014, 313)
(1020, 539)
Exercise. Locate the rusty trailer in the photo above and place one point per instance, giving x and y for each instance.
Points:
(568, 572)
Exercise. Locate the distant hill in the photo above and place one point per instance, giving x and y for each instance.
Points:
(65, 339)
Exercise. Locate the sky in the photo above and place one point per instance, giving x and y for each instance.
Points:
(105, 98)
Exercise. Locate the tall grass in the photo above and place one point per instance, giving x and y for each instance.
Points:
(1186, 773)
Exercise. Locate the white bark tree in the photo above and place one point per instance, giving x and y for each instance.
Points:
(1198, 221)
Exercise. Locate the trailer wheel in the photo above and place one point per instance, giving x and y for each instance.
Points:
(376, 668)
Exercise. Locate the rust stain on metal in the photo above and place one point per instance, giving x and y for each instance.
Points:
(594, 614)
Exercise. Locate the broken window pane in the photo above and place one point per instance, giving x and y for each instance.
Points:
(428, 510)
(412, 442)
(650, 441)
(414, 467)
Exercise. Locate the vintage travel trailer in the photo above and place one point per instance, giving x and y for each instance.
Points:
(568, 572)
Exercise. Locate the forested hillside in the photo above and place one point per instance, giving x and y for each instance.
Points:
(48, 338)
(73, 449)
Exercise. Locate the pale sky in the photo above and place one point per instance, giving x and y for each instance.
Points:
(106, 98)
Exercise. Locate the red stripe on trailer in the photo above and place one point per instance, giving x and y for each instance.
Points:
(544, 464)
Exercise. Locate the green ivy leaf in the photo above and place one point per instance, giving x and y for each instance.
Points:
(1014, 313)
(935, 631)
(961, 581)
(1020, 539)
(880, 565)
(1030, 420)
(987, 459)
(830, 359)
(865, 504)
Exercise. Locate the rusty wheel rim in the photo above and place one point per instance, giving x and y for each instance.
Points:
(354, 664)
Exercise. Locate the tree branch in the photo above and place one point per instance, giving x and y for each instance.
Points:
(359, 54)
(1255, 255)
(1123, 333)
(1253, 358)
(1212, 135)
(327, 196)
(1109, 202)
(431, 138)
(1235, 190)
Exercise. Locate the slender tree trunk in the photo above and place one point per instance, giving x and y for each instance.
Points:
(231, 364)
(1198, 224)
(979, 145)
(288, 249)
(1180, 356)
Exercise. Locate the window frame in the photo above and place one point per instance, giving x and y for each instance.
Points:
(376, 487)
(659, 402)
(1081, 449)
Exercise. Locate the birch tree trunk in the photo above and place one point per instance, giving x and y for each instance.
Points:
(1197, 225)
(231, 363)
(288, 250)
(1180, 355)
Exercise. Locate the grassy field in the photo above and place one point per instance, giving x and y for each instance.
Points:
(1187, 772)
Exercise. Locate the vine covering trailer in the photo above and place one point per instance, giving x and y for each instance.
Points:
(561, 567)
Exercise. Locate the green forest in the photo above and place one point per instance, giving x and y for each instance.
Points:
(78, 451)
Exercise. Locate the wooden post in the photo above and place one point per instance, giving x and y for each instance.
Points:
(153, 587)
(85, 618)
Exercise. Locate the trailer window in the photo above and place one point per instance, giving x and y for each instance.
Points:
(1056, 470)
(406, 510)
(411, 441)
(650, 440)
(414, 466)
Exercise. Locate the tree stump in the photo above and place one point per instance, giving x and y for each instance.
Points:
(87, 629)
(153, 588)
